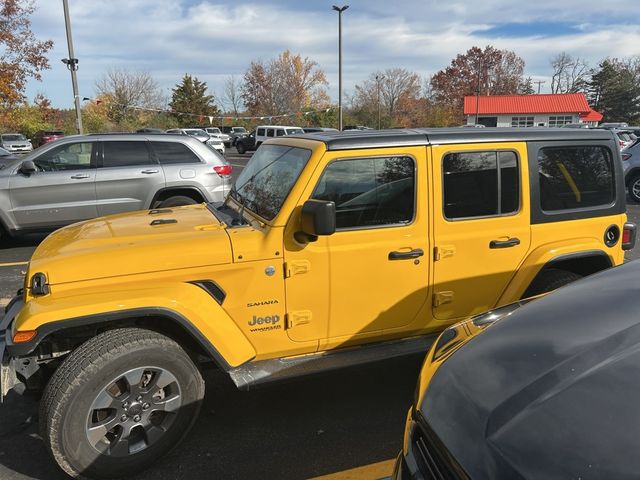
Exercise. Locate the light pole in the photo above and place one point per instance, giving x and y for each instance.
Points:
(72, 65)
(379, 78)
(340, 10)
(478, 90)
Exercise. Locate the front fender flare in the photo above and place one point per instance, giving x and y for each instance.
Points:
(187, 304)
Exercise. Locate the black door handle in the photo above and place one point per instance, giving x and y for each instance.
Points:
(415, 253)
(512, 242)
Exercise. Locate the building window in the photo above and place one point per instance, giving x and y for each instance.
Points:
(559, 120)
(522, 121)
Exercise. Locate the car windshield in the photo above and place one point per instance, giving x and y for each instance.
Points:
(239, 130)
(214, 130)
(266, 181)
(13, 137)
(294, 131)
(196, 133)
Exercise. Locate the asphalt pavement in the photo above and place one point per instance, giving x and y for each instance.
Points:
(331, 425)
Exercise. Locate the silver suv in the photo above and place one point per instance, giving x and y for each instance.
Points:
(631, 166)
(82, 177)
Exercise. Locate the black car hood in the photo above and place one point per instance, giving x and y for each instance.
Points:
(552, 391)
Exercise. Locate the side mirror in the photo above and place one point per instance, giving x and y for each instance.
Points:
(318, 218)
(27, 168)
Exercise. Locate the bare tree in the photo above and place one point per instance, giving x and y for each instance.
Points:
(570, 75)
(232, 95)
(125, 90)
(284, 85)
(394, 85)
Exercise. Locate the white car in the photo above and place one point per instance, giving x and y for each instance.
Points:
(201, 135)
(15, 143)
(265, 132)
(215, 132)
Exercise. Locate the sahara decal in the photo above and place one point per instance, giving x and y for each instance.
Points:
(261, 303)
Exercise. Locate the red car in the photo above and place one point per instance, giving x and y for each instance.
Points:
(46, 136)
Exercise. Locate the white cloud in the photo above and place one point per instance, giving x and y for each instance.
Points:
(213, 39)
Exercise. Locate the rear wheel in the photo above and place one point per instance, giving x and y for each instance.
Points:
(634, 188)
(240, 148)
(549, 280)
(177, 201)
(119, 402)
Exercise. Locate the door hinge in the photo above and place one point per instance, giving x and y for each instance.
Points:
(443, 251)
(298, 318)
(296, 267)
(440, 298)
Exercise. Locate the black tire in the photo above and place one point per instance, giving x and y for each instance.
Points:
(68, 406)
(177, 201)
(550, 279)
(634, 188)
(240, 148)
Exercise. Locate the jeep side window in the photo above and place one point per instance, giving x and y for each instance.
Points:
(125, 154)
(369, 192)
(270, 132)
(575, 177)
(72, 156)
(480, 184)
(260, 132)
(173, 152)
(279, 132)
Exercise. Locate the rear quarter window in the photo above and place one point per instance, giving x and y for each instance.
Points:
(170, 153)
(575, 177)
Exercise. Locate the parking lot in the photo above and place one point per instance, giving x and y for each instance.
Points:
(335, 423)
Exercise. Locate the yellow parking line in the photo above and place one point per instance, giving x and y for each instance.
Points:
(13, 264)
(368, 472)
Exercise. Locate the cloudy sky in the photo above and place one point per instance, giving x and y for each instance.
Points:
(215, 39)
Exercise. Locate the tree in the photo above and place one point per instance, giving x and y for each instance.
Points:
(398, 90)
(287, 84)
(484, 72)
(570, 75)
(526, 87)
(23, 56)
(190, 96)
(126, 91)
(614, 91)
(232, 95)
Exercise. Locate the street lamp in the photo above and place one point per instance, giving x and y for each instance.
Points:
(379, 78)
(340, 10)
(72, 65)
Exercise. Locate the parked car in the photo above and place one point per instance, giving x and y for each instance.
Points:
(15, 143)
(246, 144)
(265, 132)
(234, 133)
(330, 250)
(201, 135)
(150, 130)
(356, 127)
(6, 156)
(83, 177)
(631, 165)
(216, 133)
(319, 129)
(46, 136)
(541, 390)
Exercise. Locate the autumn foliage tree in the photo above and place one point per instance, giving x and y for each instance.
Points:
(488, 72)
(22, 56)
(286, 84)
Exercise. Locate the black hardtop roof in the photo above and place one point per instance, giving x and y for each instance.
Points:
(353, 139)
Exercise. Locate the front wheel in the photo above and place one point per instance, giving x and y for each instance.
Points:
(240, 148)
(177, 201)
(119, 402)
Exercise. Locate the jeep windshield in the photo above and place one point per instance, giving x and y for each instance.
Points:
(266, 181)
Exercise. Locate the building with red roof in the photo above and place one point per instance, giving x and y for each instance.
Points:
(542, 110)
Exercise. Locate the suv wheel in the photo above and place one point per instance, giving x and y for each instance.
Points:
(549, 280)
(634, 188)
(119, 402)
(177, 201)
(240, 147)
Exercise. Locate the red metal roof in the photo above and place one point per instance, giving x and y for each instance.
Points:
(527, 104)
(592, 116)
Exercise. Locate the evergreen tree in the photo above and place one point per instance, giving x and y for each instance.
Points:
(190, 96)
(614, 91)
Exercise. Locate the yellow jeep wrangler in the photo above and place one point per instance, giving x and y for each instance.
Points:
(331, 249)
